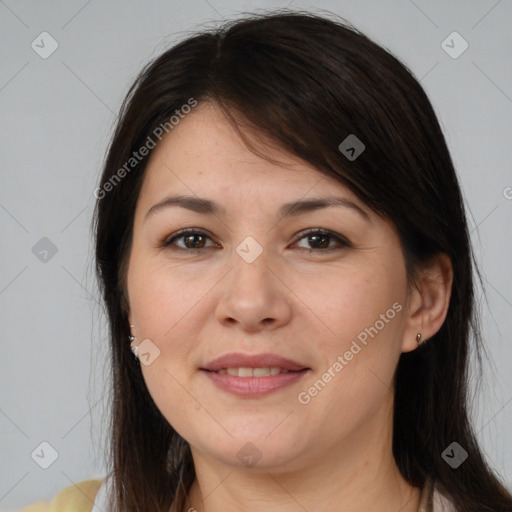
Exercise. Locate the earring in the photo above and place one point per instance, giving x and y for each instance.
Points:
(134, 348)
(418, 338)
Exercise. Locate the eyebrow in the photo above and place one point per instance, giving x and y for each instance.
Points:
(209, 207)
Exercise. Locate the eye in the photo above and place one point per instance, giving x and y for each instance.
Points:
(194, 240)
(320, 240)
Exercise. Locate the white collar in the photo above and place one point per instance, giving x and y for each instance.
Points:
(101, 500)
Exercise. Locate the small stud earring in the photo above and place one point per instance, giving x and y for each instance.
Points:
(132, 338)
(418, 338)
(134, 348)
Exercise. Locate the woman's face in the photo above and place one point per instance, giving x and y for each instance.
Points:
(312, 296)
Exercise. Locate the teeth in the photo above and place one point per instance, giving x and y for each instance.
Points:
(245, 372)
(262, 372)
(252, 372)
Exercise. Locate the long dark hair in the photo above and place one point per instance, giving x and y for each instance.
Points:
(307, 82)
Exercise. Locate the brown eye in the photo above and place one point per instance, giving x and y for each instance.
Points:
(195, 241)
(191, 239)
(321, 239)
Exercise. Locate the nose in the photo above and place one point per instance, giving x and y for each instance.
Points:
(254, 296)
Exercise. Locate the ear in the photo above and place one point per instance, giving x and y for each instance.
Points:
(429, 299)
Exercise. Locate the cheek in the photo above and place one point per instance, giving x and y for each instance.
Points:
(357, 304)
(365, 317)
(162, 303)
(162, 296)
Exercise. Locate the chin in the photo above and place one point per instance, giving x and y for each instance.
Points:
(251, 450)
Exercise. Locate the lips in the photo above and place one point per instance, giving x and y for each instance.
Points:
(253, 376)
(256, 361)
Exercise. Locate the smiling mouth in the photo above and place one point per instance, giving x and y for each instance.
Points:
(253, 375)
(253, 372)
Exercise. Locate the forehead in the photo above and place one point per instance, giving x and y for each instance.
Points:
(204, 155)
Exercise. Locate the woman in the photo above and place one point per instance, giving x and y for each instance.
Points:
(282, 244)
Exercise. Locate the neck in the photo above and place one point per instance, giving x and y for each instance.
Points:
(359, 476)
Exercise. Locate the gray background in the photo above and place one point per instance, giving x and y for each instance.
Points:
(56, 117)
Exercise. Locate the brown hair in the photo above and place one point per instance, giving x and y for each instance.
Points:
(306, 82)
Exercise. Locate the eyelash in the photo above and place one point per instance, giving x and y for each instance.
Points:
(167, 242)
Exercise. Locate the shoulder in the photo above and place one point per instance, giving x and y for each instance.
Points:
(75, 498)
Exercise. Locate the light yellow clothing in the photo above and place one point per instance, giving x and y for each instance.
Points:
(75, 498)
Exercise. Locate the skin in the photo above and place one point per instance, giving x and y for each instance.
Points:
(334, 453)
